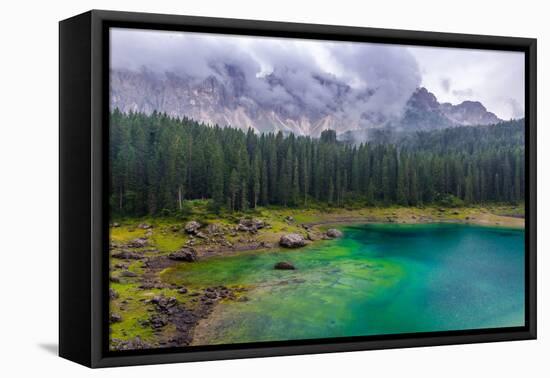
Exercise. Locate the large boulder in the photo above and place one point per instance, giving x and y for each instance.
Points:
(334, 233)
(184, 254)
(292, 241)
(284, 265)
(192, 227)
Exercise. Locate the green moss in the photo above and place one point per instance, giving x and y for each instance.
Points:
(132, 310)
(168, 241)
(125, 233)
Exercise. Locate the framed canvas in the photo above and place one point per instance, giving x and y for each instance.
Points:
(235, 188)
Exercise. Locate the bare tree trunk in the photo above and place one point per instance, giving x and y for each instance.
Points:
(120, 199)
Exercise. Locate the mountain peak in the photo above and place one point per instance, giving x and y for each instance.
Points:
(423, 111)
(226, 98)
(469, 113)
(422, 98)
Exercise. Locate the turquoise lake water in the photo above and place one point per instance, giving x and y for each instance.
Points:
(377, 279)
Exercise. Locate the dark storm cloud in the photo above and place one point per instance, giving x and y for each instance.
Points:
(292, 74)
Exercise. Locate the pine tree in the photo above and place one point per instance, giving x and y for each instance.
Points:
(157, 163)
(233, 189)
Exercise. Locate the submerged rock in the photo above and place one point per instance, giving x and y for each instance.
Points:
(284, 265)
(184, 254)
(292, 241)
(334, 233)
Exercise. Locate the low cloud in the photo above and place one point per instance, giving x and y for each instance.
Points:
(517, 110)
(351, 80)
(364, 83)
(446, 84)
(468, 92)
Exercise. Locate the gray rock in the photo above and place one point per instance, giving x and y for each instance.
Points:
(115, 318)
(250, 224)
(334, 233)
(164, 304)
(127, 255)
(182, 290)
(112, 294)
(192, 227)
(157, 321)
(214, 229)
(201, 235)
(184, 254)
(127, 273)
(138, 243)
(292, 241)
(313, 236)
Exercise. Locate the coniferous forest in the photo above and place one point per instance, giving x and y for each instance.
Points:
(158, 162)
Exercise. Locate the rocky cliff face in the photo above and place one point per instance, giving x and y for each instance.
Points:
(227, 99)
(424, 112)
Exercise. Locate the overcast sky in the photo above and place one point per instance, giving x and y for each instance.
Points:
(494, 78)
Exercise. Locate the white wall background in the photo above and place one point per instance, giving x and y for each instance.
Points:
(29, 187)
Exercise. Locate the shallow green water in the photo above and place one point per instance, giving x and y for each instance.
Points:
(378, 279)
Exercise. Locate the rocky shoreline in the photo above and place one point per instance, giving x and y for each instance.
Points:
(169, 313)
(165, 310)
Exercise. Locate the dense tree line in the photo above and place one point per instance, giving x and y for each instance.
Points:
(158, 162)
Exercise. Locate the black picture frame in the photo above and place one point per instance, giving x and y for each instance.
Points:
(83, 166)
